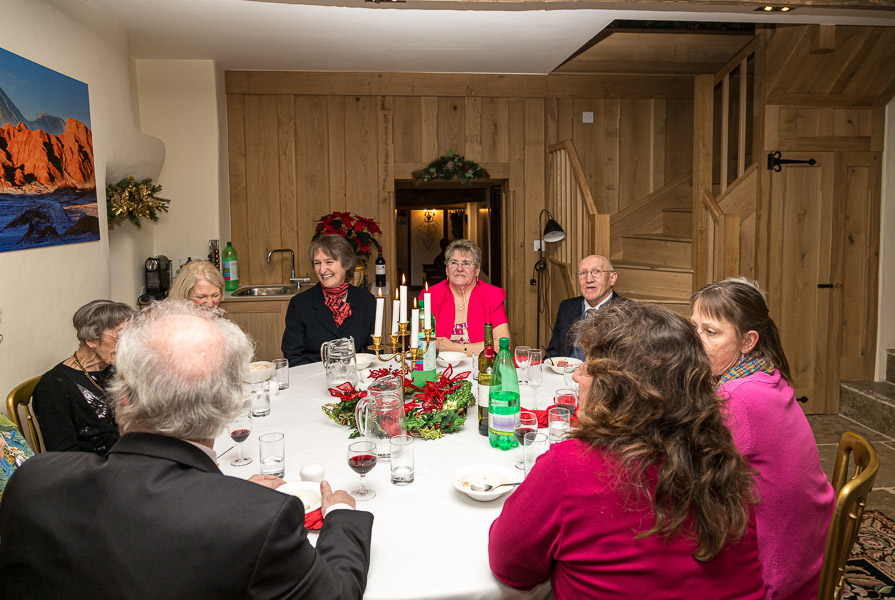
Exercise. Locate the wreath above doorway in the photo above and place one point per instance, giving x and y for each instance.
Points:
(449, 167)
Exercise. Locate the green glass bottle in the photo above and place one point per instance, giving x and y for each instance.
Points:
(503, 405)
(229, 268)
(424, 366)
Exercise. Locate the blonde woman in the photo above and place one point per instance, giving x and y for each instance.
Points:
(200, 282)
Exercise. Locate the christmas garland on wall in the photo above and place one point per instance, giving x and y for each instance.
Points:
(132, 201)
(449, 167)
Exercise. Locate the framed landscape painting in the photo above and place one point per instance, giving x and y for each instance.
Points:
(47, 180)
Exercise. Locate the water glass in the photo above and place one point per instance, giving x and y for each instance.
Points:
(568, 371)
(260, 399)
(536, 372)
(272, 448)
(534, 445)
(401, 463)
(558, 423)
(523, 359)
(281, 372)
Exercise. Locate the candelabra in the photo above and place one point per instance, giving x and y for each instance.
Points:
(399, 352)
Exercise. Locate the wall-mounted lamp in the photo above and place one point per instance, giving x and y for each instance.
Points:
(429, 215)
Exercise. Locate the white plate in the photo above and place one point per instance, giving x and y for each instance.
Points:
(364, 360)
(493, 474)
(449, 358)
(306, 491)
(560, 370)
(258, 371)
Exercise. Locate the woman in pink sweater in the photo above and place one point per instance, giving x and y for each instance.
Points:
(650, 498)
(795, 500)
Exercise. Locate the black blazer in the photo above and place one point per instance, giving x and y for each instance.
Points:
(568, 314)
(309, 323)
(155, 518)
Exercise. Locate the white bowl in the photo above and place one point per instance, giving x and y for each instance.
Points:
(493, 474)
(364, 360)
(449, 358)
(306, 491)
(260, 370)
(559, 367)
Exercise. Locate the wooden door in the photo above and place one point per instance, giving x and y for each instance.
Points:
(823, 272)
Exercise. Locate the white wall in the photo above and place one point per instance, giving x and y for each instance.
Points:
(885, 335)
(41, 288)
(178, 103)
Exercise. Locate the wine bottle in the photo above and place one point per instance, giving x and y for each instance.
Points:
(380, 270)
(486, 366)
(503, 405)
(230, 268)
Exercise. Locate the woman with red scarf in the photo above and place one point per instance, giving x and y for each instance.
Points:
(331, 309)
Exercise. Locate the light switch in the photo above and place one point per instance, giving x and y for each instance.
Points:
(587, 117)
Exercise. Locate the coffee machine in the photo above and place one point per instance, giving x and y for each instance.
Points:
(157, 274)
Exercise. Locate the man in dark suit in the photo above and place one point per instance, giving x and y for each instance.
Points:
(155, 518)
(596, 279)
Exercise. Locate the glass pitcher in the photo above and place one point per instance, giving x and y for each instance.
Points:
(379, 417)
(339, 362)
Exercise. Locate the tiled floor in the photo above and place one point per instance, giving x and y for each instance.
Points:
(827, 431)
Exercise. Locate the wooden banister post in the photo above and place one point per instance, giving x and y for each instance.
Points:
(702, 172)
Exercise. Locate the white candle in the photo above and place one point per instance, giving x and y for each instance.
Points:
(380, 308)
(403, 297)
(427, 306)
(415, 328)
(396, 310)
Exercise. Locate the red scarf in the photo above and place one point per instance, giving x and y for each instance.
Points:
(332, 297)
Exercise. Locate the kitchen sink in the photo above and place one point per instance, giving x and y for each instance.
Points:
(288, 289)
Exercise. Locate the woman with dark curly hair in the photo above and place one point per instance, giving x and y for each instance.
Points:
(648, 498)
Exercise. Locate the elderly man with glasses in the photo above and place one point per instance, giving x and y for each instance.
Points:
(595, 280)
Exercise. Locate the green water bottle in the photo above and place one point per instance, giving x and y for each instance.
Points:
(503, 403)
(424, 367)
(229, 268)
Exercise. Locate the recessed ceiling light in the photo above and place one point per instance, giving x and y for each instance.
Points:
(769, 8)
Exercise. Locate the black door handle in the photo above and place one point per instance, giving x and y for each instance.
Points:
(824, 285)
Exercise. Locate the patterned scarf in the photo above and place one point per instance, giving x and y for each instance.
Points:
(749, 364)
(340, 309)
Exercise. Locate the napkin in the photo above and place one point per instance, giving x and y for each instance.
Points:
(543, 419)
(314, 520)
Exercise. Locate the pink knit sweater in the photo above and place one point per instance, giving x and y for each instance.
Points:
(795, 499)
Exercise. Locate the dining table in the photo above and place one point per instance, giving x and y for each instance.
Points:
(429, 540)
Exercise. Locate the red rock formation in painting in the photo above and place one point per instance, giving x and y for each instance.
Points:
(34, 161)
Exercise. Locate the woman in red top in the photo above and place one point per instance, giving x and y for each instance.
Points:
(649, 498)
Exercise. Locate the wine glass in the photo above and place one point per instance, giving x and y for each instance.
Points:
(523, 359)
(536, 374)
(568, 371)
(528, 421)
(239, 429)
(362, 459)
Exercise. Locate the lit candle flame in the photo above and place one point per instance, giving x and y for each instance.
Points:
(380, 292)
(403, 281)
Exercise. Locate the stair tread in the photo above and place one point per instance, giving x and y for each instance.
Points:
(627, 264)
(654, 299)
(662, 237)
(678, 210)
(876, 388)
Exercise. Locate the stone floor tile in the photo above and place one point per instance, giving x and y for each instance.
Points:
(829, 428)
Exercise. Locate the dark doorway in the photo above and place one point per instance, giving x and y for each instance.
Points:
(428, 218)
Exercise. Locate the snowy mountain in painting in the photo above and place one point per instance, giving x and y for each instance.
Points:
(10, 114)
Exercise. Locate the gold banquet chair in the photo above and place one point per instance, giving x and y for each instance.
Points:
(21, 396)
(851, 497)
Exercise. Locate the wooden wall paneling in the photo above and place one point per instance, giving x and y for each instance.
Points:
(657, 150)
(535, 147)
(495, 130)
(407, 125)
(515, 276)
(782, 67)
(565, 117)
(878, 128)
(451, 125)
(335, 165)
(312, 181)
(588, 142)
(842, 62)
(634, 168)
(611, 151)
(702, 173)
(429, 129)
(263, 190)
(678, 138)
(236, 152)
(288, 200)
(551, 124)
(386, 192)
(867, 79)
(361, 155)
(852, 122)
(473, 133)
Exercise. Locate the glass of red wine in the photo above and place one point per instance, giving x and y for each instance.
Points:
(240, 428)
(566, 398)
(528, 421)
(362, 459)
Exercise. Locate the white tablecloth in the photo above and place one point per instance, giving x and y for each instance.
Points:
(430, 541)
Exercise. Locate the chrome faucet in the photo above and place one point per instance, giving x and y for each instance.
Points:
(291, 261)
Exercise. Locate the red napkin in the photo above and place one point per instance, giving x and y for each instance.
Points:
(543, 418)
(314, 520)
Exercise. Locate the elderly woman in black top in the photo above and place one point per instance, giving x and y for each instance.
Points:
(331, 309)
(70, 400)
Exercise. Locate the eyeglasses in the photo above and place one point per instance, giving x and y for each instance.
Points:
(465, 264)
(203, 298)
(109, 335)
(595, 273)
